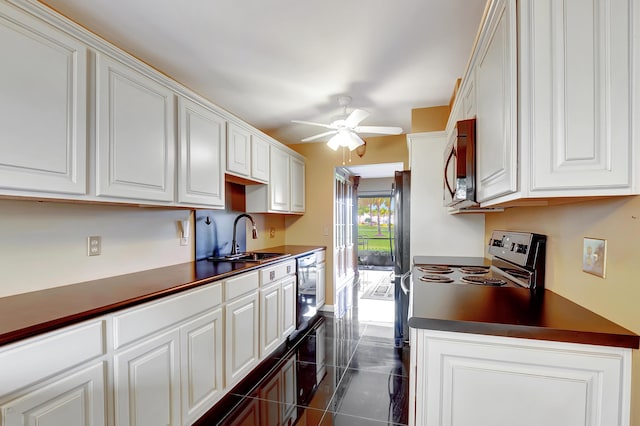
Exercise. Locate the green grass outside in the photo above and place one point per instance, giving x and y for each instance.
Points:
(374, 242)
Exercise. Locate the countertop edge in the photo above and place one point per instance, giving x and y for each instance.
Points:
(629, 341)
(75, 316)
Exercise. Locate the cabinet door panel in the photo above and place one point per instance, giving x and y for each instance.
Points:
(505, 377)
(496, 126)
(73, 400)
(147, 379)
(202, 155)
(135, 134)
(577, 94)
(289, 299)
(297, 185)
(320, 287)
(201, 359)
(279, 182)
(270, 311)
(241, 337)
(43, 106)
(239, 151)
(259, 159)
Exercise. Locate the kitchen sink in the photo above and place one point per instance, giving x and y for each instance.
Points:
(258, 257)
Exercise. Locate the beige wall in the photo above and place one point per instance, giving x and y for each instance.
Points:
(616, 297)
(44, 244)
(430, 119)
(320, 167)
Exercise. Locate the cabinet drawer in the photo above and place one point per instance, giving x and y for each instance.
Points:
(276, 272)
(237, 286)
(37, 358)
(320, 256)
(155, 316)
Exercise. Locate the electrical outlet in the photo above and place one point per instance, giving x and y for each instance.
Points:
(94, 246)
(272, 232)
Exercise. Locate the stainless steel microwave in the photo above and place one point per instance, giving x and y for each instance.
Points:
(460, 166)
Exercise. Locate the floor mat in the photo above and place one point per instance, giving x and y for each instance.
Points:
(382, 289)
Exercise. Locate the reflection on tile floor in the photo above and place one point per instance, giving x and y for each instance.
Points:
(342, 372)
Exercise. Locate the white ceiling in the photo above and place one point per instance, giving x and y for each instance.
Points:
(373, 171)
(271, 61)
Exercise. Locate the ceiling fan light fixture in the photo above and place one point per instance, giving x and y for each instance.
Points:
(334, 142)
(354, 141)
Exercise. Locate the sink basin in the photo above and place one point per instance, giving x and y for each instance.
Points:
(250, 257)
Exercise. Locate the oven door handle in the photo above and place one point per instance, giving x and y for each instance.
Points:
(403, 278)
(452, 154)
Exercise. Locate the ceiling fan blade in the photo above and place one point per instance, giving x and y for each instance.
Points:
(383, 130)
(311, 123)
(321, 135)
(356, 116)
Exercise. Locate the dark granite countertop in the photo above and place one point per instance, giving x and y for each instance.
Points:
(28, 314)
(511, 312)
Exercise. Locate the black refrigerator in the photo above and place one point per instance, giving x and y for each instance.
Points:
(401, 259)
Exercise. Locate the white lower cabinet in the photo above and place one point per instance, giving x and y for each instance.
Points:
(168, 358)
(270, 321)
(76, 399)
(201, 366)
(289, 299)
(241, 337)
(460, 379)
(147, 382)
(58, 378)
(165, 362)
(278, 300)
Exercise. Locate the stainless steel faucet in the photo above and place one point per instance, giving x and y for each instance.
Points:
(254, 231)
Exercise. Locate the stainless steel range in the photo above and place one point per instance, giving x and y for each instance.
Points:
(518, 261)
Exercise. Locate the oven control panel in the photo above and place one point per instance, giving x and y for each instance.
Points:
(516, 247)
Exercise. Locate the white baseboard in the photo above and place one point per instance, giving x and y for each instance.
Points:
(327, 308)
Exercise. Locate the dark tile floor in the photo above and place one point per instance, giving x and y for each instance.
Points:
(341, 372)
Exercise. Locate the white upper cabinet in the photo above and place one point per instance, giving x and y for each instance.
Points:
(469, 98)
(43, 102)
(239, 151)
(576, 95)
(259, 159)
(139, 147)
(496, 92)
(135, 134)
(280, 180)
(285, 192)
(297, 185)
(201, 155)
(563, 125)
(247, 154)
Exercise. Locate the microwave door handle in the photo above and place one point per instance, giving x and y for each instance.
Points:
(446, 166)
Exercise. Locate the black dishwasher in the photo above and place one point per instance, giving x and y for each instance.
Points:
(307, 273)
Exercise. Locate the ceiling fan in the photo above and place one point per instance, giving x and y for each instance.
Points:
(344, 128)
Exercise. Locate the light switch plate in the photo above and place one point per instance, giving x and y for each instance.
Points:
(594, 256)
(94, 246)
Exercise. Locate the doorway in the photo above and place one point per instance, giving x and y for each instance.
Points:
(374, 232)
(375, 261)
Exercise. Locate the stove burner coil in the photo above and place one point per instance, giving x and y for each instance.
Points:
(435, 269)
(474, 270)
(474, 279)
(435, 279)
